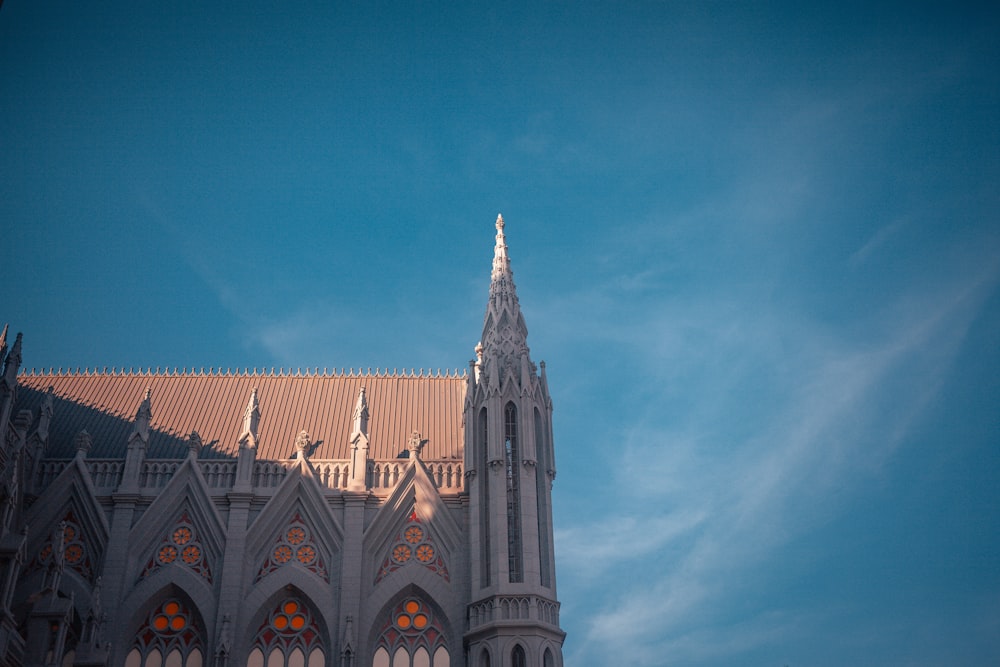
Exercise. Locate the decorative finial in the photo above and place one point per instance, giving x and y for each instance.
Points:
(251, 421)
(143, 416)
(194, 444)
(83, 442)
(499, 222)
(414, 444)
(302, 443)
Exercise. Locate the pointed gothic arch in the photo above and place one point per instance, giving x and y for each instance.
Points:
(288, 630)
(167, 629)
(411, 630)
(518, 658)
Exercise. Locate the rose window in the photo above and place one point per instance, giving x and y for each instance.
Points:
(412, 541)
(74, 549)
(401, 553)
(181, 546)
(295, 543)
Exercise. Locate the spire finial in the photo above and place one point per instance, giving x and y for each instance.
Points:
(501, 262)
(143, 416)
(361, 414)
(251, 421)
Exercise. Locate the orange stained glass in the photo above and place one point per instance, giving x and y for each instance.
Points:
(296, 535)
(425, 553)
(290, 607)
(168, 554)
(281, 622)
(419, 621)
(306, 554)
(171, 608)
(74, 553)
(401, 553)
(45, 552)
(403, 621)
(283, 553)
(298, 622)
(412, 607)
(413, 534)
(69, 534)
(191, 554)
(178, 622)
(182, 535)
(160, 623)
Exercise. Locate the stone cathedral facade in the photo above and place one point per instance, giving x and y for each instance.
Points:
(282, 519)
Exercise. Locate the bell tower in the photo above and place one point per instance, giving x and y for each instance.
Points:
(510, 463)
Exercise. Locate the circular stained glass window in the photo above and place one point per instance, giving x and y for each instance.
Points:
(413, 616)
(296, 535)
(306, 554)
(74, 553)
(182, 535)
(168, 554)
(401, 553)
(191, 554)
(169, 618)
(425, 553)
(414, 534)
(282, 553)
(289, 618)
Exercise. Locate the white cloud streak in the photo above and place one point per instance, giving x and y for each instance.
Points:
(734, 500)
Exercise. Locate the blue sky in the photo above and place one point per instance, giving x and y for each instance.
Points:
(757, 246)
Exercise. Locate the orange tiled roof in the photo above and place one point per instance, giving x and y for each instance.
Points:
(213, 404)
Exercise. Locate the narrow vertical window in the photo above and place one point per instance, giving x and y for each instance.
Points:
(548, 660)
(484, 507)
(542, 497)
(512, 456)
(517, 657)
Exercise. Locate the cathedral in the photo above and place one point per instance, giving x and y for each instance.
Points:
(250, 518)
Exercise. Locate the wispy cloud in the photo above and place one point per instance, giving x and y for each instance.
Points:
(724, 488)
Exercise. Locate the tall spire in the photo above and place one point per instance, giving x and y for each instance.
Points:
(503, 350)
(502, 277)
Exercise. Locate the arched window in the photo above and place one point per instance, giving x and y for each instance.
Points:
(288, 637)
(412, 637)
(548, 660)
(484, 485)
(484, 659)
(513, 457)
(168, 637)
(517, 658)
(542, 498)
